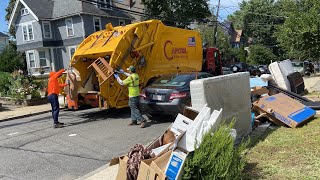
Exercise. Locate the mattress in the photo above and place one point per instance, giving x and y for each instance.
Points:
(231, 93)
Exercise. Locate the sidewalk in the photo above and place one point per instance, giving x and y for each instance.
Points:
(22, 112)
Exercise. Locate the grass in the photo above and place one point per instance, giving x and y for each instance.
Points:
(286, 153)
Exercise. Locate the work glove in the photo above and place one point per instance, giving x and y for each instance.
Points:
(116, 76)
(121, 71)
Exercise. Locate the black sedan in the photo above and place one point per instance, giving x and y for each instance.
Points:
(169, 94)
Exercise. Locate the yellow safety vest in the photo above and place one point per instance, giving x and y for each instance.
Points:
(133, 85)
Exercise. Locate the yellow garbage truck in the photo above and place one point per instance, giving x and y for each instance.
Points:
(150, 46)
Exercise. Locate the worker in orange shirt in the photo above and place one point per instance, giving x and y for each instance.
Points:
(53, 92)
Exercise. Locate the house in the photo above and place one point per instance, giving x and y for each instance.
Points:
(49, 31)
(4, 40)
(133, 7)
(236, 38)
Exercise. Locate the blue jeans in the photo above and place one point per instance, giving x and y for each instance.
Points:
(53, 99)
(135, 112)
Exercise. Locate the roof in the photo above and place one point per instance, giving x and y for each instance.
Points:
(56, 9)
(41, 8)
(2, 35)
(93, 9)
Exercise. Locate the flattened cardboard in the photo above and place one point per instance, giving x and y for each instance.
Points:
(285, 109)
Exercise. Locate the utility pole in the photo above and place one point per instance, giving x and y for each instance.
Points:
(215, 31)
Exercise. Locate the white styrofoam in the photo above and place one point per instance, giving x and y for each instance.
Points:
(280, 71)
(231, 93)
(187, 141)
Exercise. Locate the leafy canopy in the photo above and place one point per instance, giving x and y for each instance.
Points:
(176, 12)
(300, 34)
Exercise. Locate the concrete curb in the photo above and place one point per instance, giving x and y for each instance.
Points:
(92, 173)
(24, 116)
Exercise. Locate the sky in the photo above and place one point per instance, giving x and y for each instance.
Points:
(3, 23)
(227, 7)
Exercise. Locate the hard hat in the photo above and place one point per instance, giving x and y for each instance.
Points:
(132, 69)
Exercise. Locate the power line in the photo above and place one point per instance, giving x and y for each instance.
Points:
(128, 5)
(268, 15)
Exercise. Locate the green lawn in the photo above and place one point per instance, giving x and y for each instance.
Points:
(286, 153)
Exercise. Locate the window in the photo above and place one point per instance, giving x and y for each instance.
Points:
(122, 22)
(42, 59)
(27, 31)
(72, 50)
(97, 23)
(46, 26)
(69, 26)
(176, 80)
(31, 59)
(104, 4)
(24, 11)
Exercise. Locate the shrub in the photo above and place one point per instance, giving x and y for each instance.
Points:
(10, 59)
(21, 85)
(216, 157)
(5, 83)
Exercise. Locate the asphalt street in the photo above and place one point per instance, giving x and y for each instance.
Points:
(31, 149)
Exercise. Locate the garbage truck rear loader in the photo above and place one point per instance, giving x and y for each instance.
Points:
(153, 48)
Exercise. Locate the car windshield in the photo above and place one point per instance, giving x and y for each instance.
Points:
(297, 64)
(172, 80)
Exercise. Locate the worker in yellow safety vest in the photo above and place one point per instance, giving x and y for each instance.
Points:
(132, 81)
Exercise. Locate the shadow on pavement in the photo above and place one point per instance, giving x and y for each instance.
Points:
(4, 108)
(158, 119)
(101, 115)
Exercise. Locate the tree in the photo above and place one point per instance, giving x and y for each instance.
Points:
(300, 34)
(10, 59)
(176, 12)
(239, 53)
(223, 40)
(9, 10)
(260, 55)
(258, 19)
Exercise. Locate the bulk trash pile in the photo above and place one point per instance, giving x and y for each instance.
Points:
(276, 97)
(217, 99)
(164, 157)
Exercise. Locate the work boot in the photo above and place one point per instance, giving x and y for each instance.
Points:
(143, 123)
(133, 123)
(58, 126)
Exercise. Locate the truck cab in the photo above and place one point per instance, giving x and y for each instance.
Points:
(212, 61)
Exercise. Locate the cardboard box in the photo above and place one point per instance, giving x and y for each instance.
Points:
(186, 119)
(154, 169)
(181, 125)
(175, 166)
(122, 169)
(259, 90)
(283, 108)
